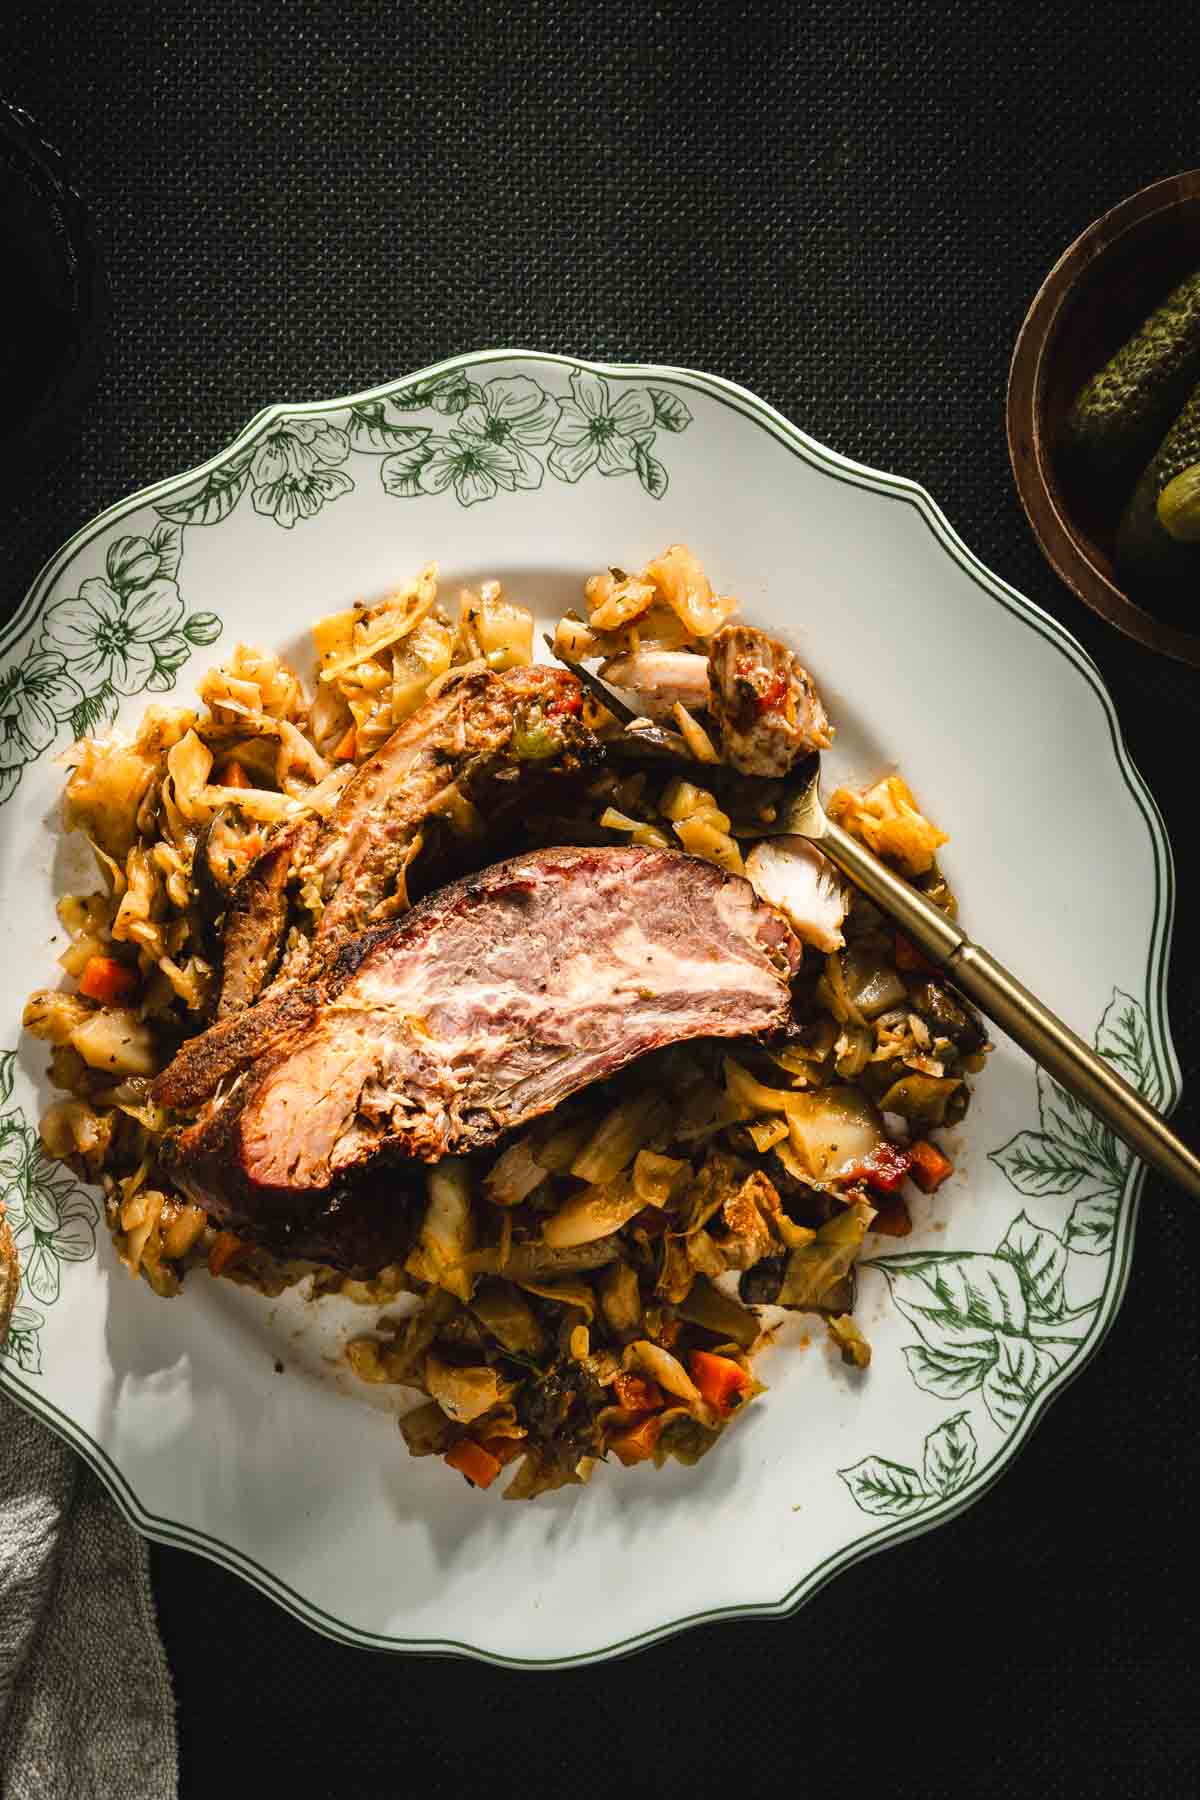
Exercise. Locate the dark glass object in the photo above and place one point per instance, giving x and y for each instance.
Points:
(50, 320)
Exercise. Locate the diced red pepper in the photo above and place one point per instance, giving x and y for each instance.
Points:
(346, 748)
(233, 775)
(884, 1169)
(471, 1459)
(929, 1167)
(722, 1382)
(564, 703)
(105, 979)
(772, 697)
(636, 1394)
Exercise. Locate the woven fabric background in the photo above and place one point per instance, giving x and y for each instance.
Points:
(848, 209)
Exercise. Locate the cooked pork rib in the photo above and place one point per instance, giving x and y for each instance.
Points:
(764, 702)
(474, 730)
(458, 738)
(486, 1005)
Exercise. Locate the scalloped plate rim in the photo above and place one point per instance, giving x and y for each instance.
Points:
(889, 1532)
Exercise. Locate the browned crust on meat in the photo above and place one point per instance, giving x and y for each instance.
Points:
(257, 917)
(205, 1061)
(450, 739)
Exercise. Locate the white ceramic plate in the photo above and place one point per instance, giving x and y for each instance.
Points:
(540, 471)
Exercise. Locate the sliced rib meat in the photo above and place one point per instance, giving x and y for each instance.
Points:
(486, 1005)
(764, 702)
(459, 738)
(257, 916)
(478, 731)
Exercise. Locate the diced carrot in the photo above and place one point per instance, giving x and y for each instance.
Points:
(636, 1394)
(233, 775)
(471, 1459)
(892, 1220)
(722, 1382)
(505, 1449)
(105, 979)
(929, 1167)
(347, 747)
(909, 959)
(639, 1443)
(226, 1249)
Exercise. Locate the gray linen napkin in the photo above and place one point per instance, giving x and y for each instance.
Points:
(86, 1708)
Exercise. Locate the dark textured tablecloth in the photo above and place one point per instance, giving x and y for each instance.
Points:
(847, 208)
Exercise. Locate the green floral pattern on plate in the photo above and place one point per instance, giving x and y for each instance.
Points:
(53, 1221)
(1002, 1324)
(506, 434)
(125, 632)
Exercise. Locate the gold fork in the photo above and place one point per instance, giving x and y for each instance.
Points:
(975, 973)
(988, 984)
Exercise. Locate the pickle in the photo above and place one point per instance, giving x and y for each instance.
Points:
(1158, 543)
(1122, 412)
(1179, 506)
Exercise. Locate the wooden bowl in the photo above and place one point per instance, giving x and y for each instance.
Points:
(1093, 299)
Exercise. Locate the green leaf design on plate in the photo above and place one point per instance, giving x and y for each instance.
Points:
(651, 473)
(886, 1489)
(23, 1343)
(1002, 1324)
(1020, 1370)
(1123, 1038)
(216, 496)
(53, 1220)
(950, 1456)
(371, 431)
(956, 1299)
(1040, 1259)
(448, 394)
(892, 1490)
(8, 1061)
(1093, 1222)
(943, 1373)
(40, 1274)
(166, 540)
(401, 474)
(1037, 1165)
(669, 410)
(1072, 1149)
(93, 713)
(1077, 1129)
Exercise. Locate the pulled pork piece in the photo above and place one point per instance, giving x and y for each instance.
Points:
(660, 678)
(791, 873)
(764, 702)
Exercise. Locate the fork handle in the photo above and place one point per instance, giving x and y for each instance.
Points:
(988, 984)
